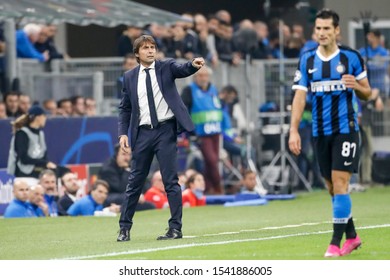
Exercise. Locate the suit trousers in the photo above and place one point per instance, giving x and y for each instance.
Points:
(160, 141)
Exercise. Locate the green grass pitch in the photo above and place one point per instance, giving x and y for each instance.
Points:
(298, 229)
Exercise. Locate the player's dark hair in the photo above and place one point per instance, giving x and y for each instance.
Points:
(329, 14)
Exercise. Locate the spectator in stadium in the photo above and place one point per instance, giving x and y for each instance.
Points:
(377, 58)
(116, 171)
(24, 104)
(233, 124)
(28, 147)
(205, 48)
(262, 50)
(87, 205)
(337, 133)
(126, 40)
(71, 187)
(37, 201)
(223, 43)
(45, 42)
(249, 182)
(156, 193)
(3, 111)
(310, 44)
(153, 129)
(212, 26)
(158, 32)
(64, 107)
(90, 107)
(374, 104)
(224, 15)
(50, 106)
(129, 62)
(11, 100)
(25, 40)
(19, 206)
(201, 99)
(182, 44)
(293, 47)
(78, 106)
(48, 180)
(194, 193)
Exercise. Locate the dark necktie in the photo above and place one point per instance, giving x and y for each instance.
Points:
(152, 107)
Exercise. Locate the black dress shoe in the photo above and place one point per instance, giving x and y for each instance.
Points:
(172, 233)
(124, 235)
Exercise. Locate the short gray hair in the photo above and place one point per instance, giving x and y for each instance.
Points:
(32, 29)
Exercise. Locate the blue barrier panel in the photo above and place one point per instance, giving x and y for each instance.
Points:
(71, 140)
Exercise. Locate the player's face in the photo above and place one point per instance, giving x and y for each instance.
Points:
(325, 32)
(147, 54)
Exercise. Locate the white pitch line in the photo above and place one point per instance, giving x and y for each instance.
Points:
(139, 251)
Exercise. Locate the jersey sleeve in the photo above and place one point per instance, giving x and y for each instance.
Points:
(301, 80)
(359, 70)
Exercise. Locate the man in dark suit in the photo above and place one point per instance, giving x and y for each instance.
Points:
(152, 112)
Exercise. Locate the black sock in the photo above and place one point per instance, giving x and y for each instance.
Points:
(350, 231)
(338, 231)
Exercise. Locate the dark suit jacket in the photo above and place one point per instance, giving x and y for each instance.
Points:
(166, 73)
(63, 204)
(116, 177)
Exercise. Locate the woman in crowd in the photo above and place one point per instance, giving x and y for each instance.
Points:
(28, 153)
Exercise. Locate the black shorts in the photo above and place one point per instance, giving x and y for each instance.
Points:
(338, 152)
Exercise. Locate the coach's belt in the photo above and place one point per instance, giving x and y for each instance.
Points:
(150, 127)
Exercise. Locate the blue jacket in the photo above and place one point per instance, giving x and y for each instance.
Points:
(19, 209)
(86, 206)
(24, 47)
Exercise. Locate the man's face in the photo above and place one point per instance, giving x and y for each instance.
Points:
(51, 107)
(70, 183)
(130, 63)
(99, 194)
(147, 54)
(123, 159)
(250, 181)
(21, 190)
(43, 35)
(199, 183)
(67, 107)
(202, 78)
(36, 195)
(12, 103)
(79, 106)
(49, 183)
(325, 32)
(24, 103)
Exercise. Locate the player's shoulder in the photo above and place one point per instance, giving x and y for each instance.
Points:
(348, 50)
(309, 53)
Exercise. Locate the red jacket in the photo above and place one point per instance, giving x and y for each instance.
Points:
(157, 197)
(189, 199)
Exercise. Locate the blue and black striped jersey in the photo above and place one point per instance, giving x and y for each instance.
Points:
(334, 107)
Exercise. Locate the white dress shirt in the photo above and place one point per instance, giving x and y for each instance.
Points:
(162, 109)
